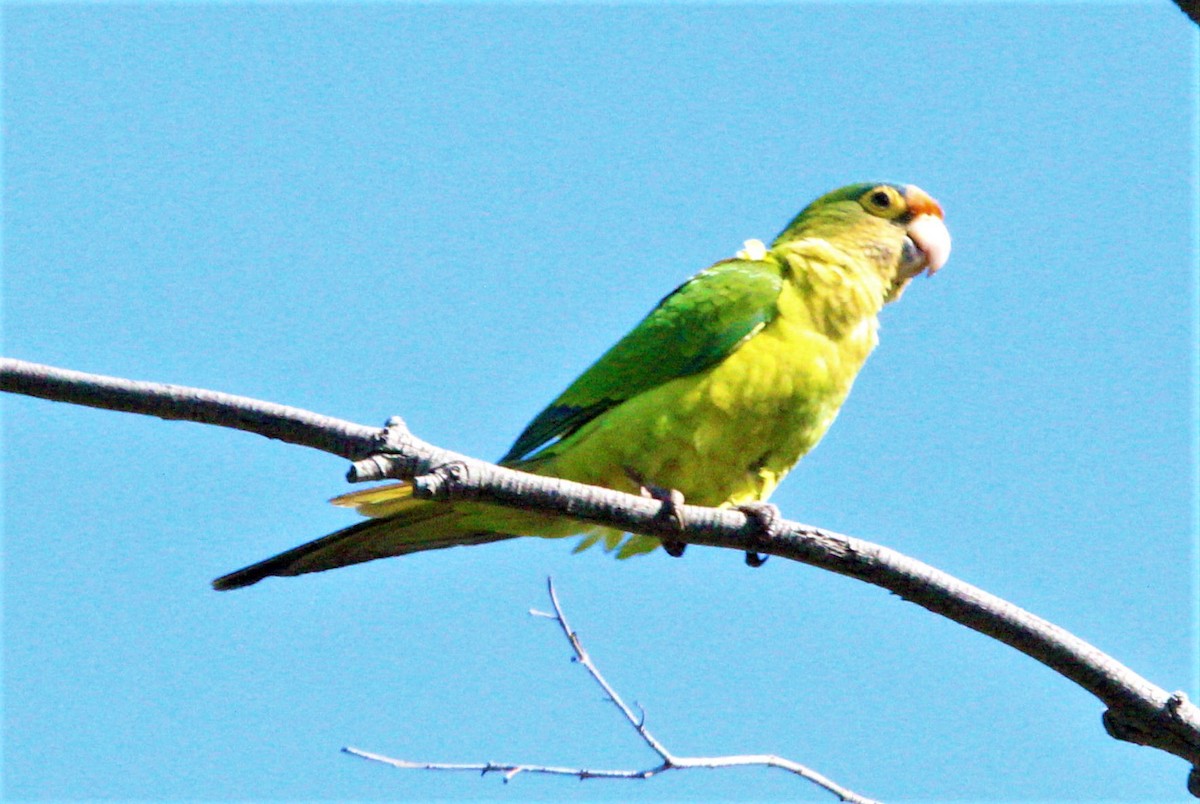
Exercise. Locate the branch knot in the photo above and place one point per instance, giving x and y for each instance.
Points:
(392, 454)
(1170, 728)
(450, 481)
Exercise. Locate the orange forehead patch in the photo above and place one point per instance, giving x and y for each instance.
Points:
(920, 202)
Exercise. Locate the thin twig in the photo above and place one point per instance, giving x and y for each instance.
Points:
(509, 770)
(669, 761)
(582, 657)
(1138, 711)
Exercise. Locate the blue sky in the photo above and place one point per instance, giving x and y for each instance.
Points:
(446, 212)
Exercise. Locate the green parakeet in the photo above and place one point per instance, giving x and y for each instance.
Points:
(717, 393)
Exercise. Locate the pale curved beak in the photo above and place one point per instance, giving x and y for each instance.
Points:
(927, 246)
(930, 241)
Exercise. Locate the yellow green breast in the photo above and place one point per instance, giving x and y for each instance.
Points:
(729, 434)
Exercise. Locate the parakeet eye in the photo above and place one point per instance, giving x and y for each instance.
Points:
(884, 201)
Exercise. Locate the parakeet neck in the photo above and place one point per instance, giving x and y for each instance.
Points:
(865, 249)
(842, 291)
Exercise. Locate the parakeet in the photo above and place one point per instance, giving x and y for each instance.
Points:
(716, 394)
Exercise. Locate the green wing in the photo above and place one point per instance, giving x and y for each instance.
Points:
(694, 328)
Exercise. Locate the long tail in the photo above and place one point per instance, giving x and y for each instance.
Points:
(406, 526)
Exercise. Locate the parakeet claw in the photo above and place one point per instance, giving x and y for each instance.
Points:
(765, 518)
(674, 549)
(672, 501)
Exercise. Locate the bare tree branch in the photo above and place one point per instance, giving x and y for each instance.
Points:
(1191, 8)
(293, 425)
(669, 760)
(1138, 711)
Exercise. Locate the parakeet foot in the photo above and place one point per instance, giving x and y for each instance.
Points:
(754, 560)
(672, 500)
(674, 549)
(766, 518)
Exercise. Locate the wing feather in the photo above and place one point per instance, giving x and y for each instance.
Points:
(692, 329)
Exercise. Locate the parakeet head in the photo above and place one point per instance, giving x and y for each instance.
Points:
(896, 228)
